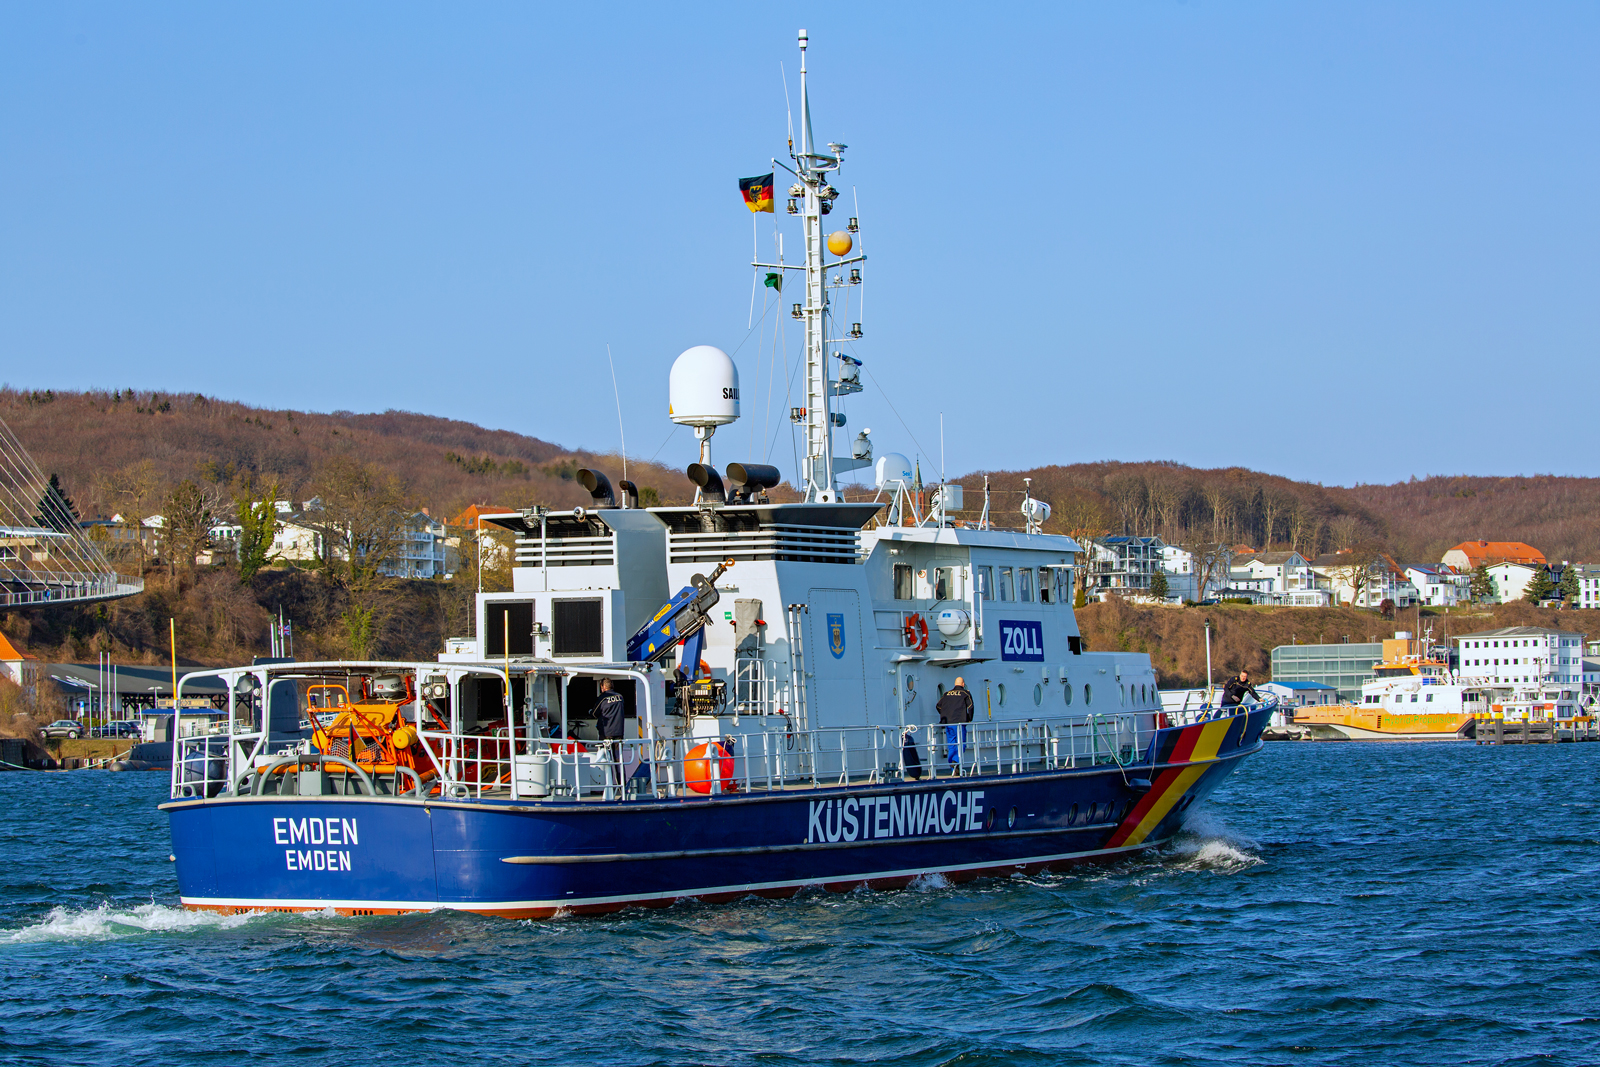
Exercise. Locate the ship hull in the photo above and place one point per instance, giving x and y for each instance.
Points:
(1361, 724)
(376, 855)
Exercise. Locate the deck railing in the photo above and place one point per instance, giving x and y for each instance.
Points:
(764, 754)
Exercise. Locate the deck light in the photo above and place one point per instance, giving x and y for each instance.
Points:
(855, 329)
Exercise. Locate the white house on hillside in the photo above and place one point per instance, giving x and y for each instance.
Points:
(1439, 585)
(1290, 579)
(1511, 580)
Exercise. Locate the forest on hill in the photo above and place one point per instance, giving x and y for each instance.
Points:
(90, 438)
(95, 440)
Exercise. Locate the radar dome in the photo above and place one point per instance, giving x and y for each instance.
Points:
(893, 470)
(704, 388)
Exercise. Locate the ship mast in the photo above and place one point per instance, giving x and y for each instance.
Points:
(811, 198)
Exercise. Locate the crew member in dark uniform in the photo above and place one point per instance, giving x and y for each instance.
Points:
(608, 713)
(955, 711)
(1233, 693)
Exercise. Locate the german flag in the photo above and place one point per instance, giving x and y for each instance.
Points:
(757, 192)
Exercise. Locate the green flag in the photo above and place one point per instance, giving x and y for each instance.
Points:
(775, 281)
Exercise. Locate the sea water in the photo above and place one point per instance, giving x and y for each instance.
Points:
(1331, 904)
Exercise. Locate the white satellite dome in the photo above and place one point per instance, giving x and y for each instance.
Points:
(893, 470)
(704, 388)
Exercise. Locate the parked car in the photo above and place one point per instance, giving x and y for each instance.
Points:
(64, 728)
(120, 728)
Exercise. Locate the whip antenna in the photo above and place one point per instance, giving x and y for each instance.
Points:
(621, 433)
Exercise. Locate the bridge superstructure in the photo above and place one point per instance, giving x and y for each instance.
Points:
(46, 558)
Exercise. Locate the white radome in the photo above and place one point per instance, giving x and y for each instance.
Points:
(893, 470)
(703, 389)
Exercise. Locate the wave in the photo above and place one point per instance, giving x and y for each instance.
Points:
(1207, 844)
(109, 922)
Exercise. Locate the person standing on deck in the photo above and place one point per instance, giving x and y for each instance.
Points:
(955, 711)
(608, 715)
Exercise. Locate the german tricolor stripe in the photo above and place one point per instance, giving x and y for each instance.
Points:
(1195, 745)
(757, 192)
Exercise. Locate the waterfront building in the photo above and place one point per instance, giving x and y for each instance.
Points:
(1523, 655)
(1344, 666)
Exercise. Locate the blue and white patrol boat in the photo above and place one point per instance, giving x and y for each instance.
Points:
(778, 663)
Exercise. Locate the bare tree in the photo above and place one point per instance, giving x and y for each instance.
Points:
(362, 517)
(187, 517)
(1211, 564)
(1128, 494)
(135, 492)
(362, 520)
(1346, 532)
(1220, 503)
(1354, 572)
(1080, 514)
(1275, 504)
(1166, 500)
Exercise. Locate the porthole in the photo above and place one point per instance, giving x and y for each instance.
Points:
(940, 687)
(1000, 691)
(1038, 695)
(1072, 816)
(1088, 694)
(1066, 692)
(1122, 695)
(1011, 818)
(988, 823)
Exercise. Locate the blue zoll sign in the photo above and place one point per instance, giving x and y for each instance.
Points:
(1022, 640)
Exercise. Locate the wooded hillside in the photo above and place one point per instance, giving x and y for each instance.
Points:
(443, 464)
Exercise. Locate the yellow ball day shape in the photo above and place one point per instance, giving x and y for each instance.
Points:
(839, 243)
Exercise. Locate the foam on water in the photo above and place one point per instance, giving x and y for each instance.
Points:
(108, 922)
(1206, 843)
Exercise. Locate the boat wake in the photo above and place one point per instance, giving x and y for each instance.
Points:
(1207, 844)
(109, 922)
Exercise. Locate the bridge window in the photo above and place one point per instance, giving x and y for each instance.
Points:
(1007, 589)
(1025, 584)
(903, 587)
(985, 576)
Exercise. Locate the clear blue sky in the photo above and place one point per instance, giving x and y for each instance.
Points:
(1341, 242)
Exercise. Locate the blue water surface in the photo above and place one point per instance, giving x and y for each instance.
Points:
(1331, 904)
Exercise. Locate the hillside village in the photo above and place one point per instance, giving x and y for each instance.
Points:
(1148, 570)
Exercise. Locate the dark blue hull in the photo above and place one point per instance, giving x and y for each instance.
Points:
(381, 854)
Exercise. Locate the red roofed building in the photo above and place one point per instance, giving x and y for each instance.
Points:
(18, 666)
(470, 517)
(1470, 555)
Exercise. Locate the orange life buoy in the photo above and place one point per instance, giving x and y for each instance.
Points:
(916, 632)
(705, 763)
